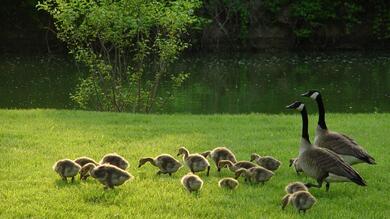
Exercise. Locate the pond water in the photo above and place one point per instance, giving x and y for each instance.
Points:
(350, 82)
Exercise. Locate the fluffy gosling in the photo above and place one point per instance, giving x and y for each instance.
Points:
(267, 162)
(228, 183)
(195, 162)
(192, 182)
(235, 166)
(220, 153)
(255, 174)
(301, 200)
(116, 160)
(294, 163)
(82, 161)
(110, 175)
(295, 187)
(165, 162)
(66, 168)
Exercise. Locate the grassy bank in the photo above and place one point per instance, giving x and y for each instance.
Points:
(32, 140)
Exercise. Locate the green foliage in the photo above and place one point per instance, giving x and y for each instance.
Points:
(308, 16)
(127, 46)
(32, 140)
(381, 22)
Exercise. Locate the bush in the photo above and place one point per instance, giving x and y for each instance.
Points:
(127, 46)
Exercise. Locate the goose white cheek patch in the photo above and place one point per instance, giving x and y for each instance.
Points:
(300, 107)
(314, 95)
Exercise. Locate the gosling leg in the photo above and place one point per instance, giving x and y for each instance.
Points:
(158, 172)
(170, 174)
(208, 170)
(72, 179)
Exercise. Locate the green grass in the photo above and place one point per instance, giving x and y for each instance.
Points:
(32, 140)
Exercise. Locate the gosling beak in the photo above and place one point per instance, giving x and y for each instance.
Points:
(306, 94)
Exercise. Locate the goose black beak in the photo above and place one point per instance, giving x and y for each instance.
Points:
(291, 106)
(307, 94)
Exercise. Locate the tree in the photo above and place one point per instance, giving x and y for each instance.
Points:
(127, 46)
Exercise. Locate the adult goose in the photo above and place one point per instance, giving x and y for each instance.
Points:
(320, 163)
(341, 144)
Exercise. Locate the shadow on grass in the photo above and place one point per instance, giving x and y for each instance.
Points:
(63, 184)
(104, 196)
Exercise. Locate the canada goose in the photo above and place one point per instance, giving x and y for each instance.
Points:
(195, 162)
(85, 160)
(301, 200)
(235, 166)
(320, 163)
(86, 170)
(341, 144)
(66, 168)
(267, 162)
(192, 182)
(220, 153)
(110, 175)
(116, 160)
(294, 163)
(228, 183)
(295, 187)
(255, 174)
(165, 162)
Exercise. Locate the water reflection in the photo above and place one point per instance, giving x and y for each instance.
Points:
(350, 82)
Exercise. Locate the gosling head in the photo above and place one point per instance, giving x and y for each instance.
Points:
(239, 172)
(142, 161)
(313, 94)
(254, 156)
(223, 163)
(85, 171)
(292, 160)
(205, 154)
(182, 150)
(296, 105)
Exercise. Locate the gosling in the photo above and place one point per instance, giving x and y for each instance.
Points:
(110, 175)
(220, 153)
(165, 162)
(267, 162)
(192, 182)
(66, 168)
(295, 164)
(235, 166)
(116, 160)
(228, 183)
(195, 162)
(295, 187)
(255, 174)
(82, 161)
(301, 200)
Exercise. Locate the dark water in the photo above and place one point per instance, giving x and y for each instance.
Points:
(350, 82)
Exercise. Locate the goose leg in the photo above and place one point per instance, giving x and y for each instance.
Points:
(327, 186)
(208, 170)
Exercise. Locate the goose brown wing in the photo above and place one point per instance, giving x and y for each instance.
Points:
(344, 145)
(329, 162)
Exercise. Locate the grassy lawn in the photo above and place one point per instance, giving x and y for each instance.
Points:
(32, 140)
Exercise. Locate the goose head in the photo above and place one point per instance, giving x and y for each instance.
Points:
(313, 94)
(296, 105)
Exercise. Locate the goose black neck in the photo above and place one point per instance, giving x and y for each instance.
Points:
(305, 124)
(321, 112)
